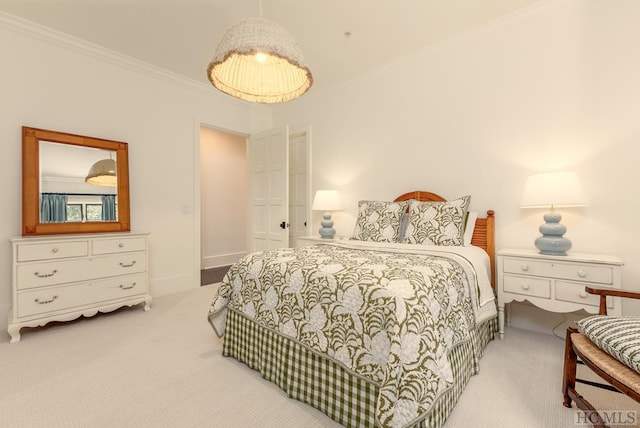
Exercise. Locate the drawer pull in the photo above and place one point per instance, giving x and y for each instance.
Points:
(525, 286)
(582, 294)
(45, 275)
(524, 268)
(55, 250)
(44, 302)
(582, 274)
(127, 287)
(121, 245)
(126, 265)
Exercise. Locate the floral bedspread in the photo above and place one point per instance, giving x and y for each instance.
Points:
(390, 316)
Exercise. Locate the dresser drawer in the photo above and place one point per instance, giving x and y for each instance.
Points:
(71, 297)
(31, 275)
(52, 251)
(574, 292)
(118, 245)
(536, 287)
(572, 271)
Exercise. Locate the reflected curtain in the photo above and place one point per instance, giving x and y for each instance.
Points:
(53, 208)
(108, 207)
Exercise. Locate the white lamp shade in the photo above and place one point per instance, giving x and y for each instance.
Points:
(259, 61)
(327, 200)
(553, 189)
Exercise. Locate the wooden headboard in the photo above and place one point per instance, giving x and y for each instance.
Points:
(483, 234)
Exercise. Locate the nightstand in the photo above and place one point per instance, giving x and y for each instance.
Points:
(555, 283)
(304, 241)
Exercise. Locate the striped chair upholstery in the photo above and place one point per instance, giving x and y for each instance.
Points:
(617, 336)
(610, 347)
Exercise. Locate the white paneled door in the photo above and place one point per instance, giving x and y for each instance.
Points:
(299, 185)
(268, 155)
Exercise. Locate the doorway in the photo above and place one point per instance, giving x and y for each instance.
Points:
(223, 202)
(224, 206)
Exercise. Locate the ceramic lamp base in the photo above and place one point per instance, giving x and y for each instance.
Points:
(327, 231)
(552, 242)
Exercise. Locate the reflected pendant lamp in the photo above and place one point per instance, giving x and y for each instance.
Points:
(259, 61)
(103, 173)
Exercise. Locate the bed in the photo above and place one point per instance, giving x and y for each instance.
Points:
(383, 329)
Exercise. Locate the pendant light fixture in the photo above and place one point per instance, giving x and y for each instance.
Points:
(259, 61)
(103, 173)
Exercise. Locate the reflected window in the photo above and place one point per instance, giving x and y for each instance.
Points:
(94, 212)
(74, 212)
(83, 208)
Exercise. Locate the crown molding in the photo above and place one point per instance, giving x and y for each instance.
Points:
(35, 30)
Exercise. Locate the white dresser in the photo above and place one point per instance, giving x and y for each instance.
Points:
(556, 283)
(59, 278)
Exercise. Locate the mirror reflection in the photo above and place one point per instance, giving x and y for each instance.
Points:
(77, 184)
(73, 183)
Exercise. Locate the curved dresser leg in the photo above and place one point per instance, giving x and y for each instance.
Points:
(14, 332)
(147, 303)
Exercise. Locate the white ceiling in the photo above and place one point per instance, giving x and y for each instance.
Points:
(181, 35)
(65, 160)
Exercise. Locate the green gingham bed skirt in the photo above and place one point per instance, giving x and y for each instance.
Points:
(324, 384)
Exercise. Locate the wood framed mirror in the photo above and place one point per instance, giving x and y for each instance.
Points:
(57, 194)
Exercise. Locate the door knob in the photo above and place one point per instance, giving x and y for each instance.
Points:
(284, 225)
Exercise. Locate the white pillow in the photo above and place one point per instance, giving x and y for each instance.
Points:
(469, 227)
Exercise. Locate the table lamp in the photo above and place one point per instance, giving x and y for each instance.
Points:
(553, 190)
(327, 200)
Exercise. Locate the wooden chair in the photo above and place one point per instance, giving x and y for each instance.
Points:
(618, 375)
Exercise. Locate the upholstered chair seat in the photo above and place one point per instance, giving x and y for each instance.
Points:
(610, 347)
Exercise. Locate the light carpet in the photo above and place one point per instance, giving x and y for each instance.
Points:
(164, 368)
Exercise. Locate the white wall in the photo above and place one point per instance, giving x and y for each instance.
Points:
(223, 189)
(553, 87)
(54, 82)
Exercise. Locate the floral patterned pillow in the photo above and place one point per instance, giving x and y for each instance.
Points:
(437, 223)
(379, 221)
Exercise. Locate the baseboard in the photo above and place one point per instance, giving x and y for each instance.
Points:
(209, 262)
(172, 284)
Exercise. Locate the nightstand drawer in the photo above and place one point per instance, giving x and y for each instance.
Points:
(574, 271)
(574, 292)
(528, 286)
